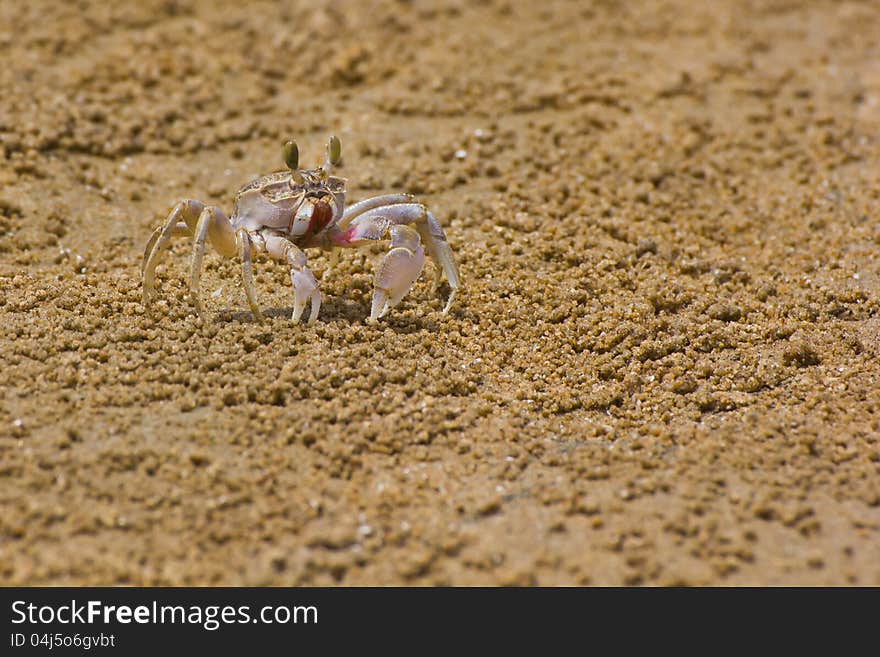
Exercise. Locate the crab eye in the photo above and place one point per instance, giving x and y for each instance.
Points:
(291, 155)
(334, 150)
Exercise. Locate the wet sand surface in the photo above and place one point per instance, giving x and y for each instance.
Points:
(661, 369)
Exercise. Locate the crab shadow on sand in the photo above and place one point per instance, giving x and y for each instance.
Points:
(336, 311)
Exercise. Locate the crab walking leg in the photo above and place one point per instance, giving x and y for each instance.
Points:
(180, 229)
(212, 224)
(371, 222)
(247, 275)
(180, 221)
(438, 248)
(305, 287)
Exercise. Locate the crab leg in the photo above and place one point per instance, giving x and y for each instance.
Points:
(247, 275)
(372, 220)
(181, 221)
(212, 224)
(367, 204)
(440, 252)
(305, 287)
(180, 229)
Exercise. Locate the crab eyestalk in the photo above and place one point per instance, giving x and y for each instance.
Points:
(290, 153)
(334, 154)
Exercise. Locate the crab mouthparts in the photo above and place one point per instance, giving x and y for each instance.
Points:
(322, 213)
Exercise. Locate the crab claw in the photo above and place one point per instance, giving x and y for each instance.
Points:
(305, 288)
(398, 270)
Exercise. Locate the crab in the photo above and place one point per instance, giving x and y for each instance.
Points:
(287, 211)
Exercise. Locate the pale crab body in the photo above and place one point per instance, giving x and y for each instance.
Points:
(287, 211)
(277, 201)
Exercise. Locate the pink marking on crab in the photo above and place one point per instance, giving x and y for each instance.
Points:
(362, 231)
(345, 238)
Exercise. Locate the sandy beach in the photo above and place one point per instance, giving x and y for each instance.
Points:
(662, 366)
